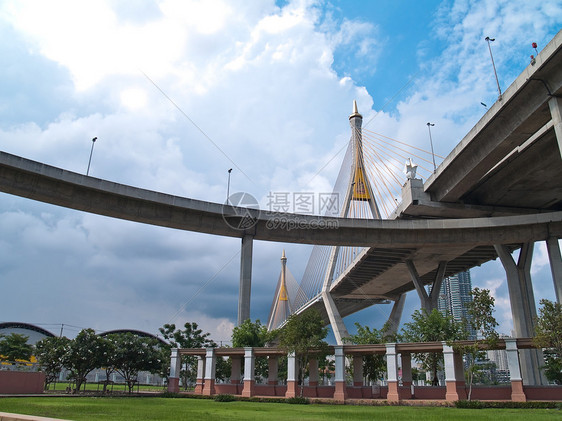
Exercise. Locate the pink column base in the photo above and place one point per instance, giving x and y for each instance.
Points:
(517, 392)
(455, 391)
(393, 395)
(199, 387)
(173, 384)
(248, 390)
(209, 387)
(291, 389)
(340, 394)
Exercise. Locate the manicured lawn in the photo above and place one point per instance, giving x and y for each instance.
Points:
(156, 408)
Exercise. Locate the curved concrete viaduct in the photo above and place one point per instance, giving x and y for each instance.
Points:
(41, 182)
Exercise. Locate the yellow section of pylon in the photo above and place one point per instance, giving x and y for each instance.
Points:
(360, 191)
(283, 293)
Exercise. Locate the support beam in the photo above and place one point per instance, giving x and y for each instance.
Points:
(245, 278)
(235, 369)
(313, 372)
(396, 314)
(555, 258)
(555, 104)
(523, 308)
(428, 302)
(340, 331)
(200, 380)
(358, 370)
(272, 370)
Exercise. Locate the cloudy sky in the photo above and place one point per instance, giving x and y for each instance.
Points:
(178, 92)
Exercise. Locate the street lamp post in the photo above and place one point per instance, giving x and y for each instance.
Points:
(228, 187)
(91, 152)
(431, 143)
(488, 40)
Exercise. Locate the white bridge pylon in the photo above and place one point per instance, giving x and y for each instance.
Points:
(355, 200)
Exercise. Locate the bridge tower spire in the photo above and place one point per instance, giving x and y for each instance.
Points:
(358, 189)
(281, 307)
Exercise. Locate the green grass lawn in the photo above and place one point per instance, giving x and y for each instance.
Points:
(157, 408)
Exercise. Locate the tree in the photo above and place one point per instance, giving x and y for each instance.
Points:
(253, 334)
(302, 335)
(429, 327)
(482, 320)
(133, 353)
(85, 353)
(15, 347)
(373, 365)
(548, 334)
(50, 353)
(190, 337)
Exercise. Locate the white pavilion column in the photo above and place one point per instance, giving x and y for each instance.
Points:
(454, 374)
(200, 381)
(392, 373)
(175, 368)
(313, 372)
(340, 394)
(210, 366)
(249, 372)
(292, 375)
(517, 392)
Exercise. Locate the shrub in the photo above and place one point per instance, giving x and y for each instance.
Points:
(224, 398)
(298, 400)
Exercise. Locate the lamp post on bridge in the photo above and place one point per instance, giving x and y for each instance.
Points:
(91, 152)
(488, 40)
(431, 143)
(228, 187)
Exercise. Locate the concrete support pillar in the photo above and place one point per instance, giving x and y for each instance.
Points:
(406, 358)
(523, 309)
(273, 370)
(357, 370)
(175, 368)
(454, 374)
(396, 314)
(292, 376)
(340, 394)
(340, 331)
(392, 373)
(555, 105)
(517, 392)
(245, 278)
(313, 372)
(235, 370)
(210, 366)
(200, 380)
(428, 301)
(555, 258)
(249, 372)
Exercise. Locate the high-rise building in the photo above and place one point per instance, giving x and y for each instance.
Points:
(454, 295)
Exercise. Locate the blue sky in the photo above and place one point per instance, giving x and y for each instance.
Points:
(271, 83)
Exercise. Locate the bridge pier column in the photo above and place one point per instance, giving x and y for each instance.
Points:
(396, 314)
(523, 309)
(245, 278)
(428, 301)
(340, 331)
(555, 105)
(555, 265)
